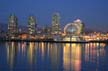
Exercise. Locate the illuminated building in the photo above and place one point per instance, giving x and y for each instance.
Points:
(80, 25)
(13, 26)
(32, 25)
(74, 30)
(56, 24)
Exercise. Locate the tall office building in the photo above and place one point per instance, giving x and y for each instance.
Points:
(32, 26)
(56, 23)
(13, 26)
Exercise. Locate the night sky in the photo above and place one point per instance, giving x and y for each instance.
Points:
(94, 13)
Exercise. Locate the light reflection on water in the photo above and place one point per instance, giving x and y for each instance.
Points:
(53, 56)
(72, 57)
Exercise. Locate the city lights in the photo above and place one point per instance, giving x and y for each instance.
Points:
(74, 31)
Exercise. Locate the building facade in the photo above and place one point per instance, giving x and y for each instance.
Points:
(73, 31)
(56, 24)
(32, 26)
(76, 28)
(13, 26)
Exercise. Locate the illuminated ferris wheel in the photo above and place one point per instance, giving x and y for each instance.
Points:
(74, 28)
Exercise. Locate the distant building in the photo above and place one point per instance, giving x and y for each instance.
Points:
(74, 30)
(13, 26)
(0, 29)
(46, 30)
(32, 26)
(81, 25)
(56, 24)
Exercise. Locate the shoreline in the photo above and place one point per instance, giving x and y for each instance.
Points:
(52, 41)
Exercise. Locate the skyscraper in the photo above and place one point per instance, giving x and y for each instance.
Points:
(13, 26)
(32, 26)
(56, 23)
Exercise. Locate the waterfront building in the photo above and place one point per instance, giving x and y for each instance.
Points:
(32, 26)
(74, 30)
(12, 26)
(56, 23)
(80, 26)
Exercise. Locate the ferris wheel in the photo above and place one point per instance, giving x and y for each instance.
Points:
(73, 28)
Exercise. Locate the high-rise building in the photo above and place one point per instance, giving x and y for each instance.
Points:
(32, 25)
(13, 26)
(56, 23)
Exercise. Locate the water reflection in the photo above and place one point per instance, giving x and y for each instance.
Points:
(72, 57)
(94, 56)
(55, 56)
(11, 53)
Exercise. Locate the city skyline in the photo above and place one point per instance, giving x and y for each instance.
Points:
(92, 13)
